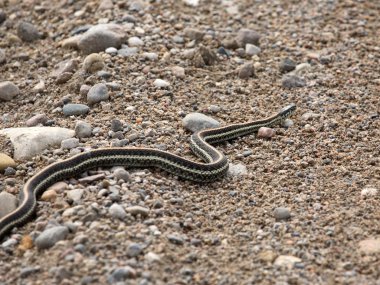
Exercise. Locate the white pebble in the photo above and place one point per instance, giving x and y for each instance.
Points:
(135, 42)
(161, 83)
(368, 192)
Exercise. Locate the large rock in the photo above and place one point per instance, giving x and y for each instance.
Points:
(28, 142)
(100, 37)
(8, 91)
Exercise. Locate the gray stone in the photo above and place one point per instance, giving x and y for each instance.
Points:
(287, 65)
(237, 169)
(247, 36)
(27, 32)
(134, 249)
(121, 173)
(138, 210)
(135, 42)
(97, 93)
(194, 34)
(251, 49)
(116, 125)
(127, 51)
(176, 239)
(8, 91)
(37, 119)
(246, 71)
(75, 109)
(26, 271)
(117, 211)
(51, 236)
(82, 129)
(68, 66)
(8, 203)
(281, 213)
(75, 194)
(100, 37)
(28, 142)
(293, 81)
(121, 273)
(70, 143)
(197, 121)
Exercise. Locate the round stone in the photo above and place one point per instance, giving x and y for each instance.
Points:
(93, 63)
(27, 32)
(281, 213)
(97, 93)
(82, 129)
(75, 109)
(8, 91)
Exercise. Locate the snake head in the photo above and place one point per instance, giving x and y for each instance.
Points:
(287, 111)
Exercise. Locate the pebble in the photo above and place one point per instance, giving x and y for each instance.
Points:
(97, 93)
(293, 81)
(120, 274)
(8, 91)
(82, 129)
(3, 56)
(176, 239)
(135, 42)
(75, 194)
(287, 261)
(100, 37)
(134, 249)
(265, 132)
(178, 71)
(6, 161)
(111, 50)
(63, 77)
(302, 68)
(237, 169)
(59, 187)
(117, 212)
(8, 203)
(75, 109)
(288, 123)
(194, 34)
(9, 171)
(151, 257)
(251, 49)
(37, 119)
(92, 63)
(246, 71)
(159, 83)
(287, 65)
(150, 55)
(127, 51)
(70, 143)
(116, 125)
(281, 213)
(214, 108)
(26, 271)
(51, 236)
(27, 32)
(28, 142)
(366, 192)
(64, 68)
(370, 246)
(138, 210)
(49, 195)
(3, 16)
(196, 121)
(247, 36)
(39, 87)
(121, 173)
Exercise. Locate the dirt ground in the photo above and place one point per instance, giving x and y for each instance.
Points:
(225, 232)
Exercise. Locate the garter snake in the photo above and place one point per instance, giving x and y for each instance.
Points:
(215, 163)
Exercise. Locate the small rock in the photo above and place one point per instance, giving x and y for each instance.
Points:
(281, 213)
(135, 42)
(59, 187)
(121, 273)
(138, 210)
(265, 132)
(3, 57)
(237, 169)
(127, 51)
(3, 16)
(100, 37)
(150, 55)
(97, 93)
(134, 249)
(67, 66)
(292, 81)
(287, 261)
(39, 87)
(366, 192)
(8, 91)
(63, 77)
(26, 271)
(121, 173)
(287, 65)
(197, 121)
(49, 196)
(37, 119)
(70, 143)
(302, 68)
(151, 257)
(8, 203)
(159, 83)
(246, 71)
(92, 178)
(176, 239)
(75, 194)
(288, 123)
(267, 256)
(75, 109)
(194, 34)
(82, 129)
(178, 71)
(51, 236)
(116, 125)
(111, 50)
(93, 63)
(247, 36)
(251, 49)
(6, 161)
(214, 108)
(370, 246)
(117, 212)
(27, 32)
(204, 56)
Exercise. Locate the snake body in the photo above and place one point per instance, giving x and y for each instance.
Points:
(215, 164)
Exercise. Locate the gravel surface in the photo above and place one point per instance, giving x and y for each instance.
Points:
(300, 204)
